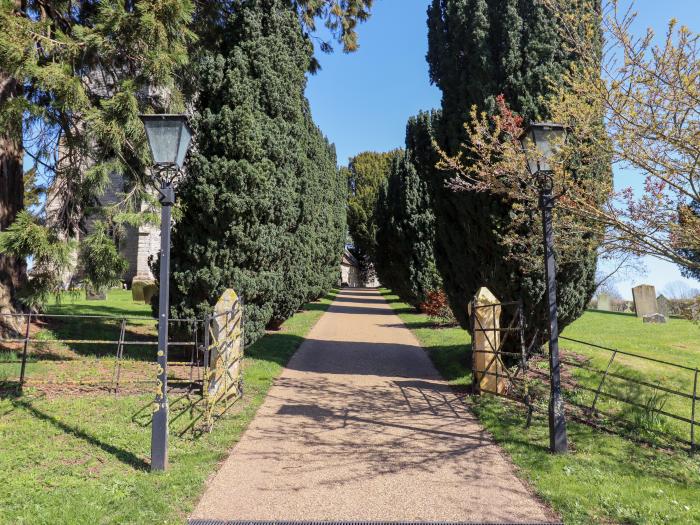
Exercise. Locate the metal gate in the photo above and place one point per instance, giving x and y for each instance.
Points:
(500, 353)
(223, 357)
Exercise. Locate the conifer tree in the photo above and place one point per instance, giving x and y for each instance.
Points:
(478, 50)
(405, 260)
(12, 267)
(74, 78)
(315, 243)
(367, 172)
(324, 198)
(261, 200)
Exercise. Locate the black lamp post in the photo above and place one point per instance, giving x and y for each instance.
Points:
(540, 143)
(169, 138)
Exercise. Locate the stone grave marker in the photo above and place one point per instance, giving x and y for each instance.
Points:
(93, 295)
(654, 319)
(149, 291)
(664, 305)
(137, 286)
(644, 297)
(604, 302)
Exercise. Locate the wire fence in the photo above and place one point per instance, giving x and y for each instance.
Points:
(68, 354)
(91, 350)
(650, 396)
(644, 397)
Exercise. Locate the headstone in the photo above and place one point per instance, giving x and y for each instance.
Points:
(654, 319)
(137, 286)
(664, 305)
(488, 369)
(149, 291)
(644, 297)
(604, 302)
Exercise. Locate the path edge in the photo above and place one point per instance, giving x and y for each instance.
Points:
(529, 487)
(331, 294)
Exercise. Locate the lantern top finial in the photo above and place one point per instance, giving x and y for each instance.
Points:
(540, 142)
(169, 138)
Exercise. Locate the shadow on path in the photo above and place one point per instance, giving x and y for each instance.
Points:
(361, 427)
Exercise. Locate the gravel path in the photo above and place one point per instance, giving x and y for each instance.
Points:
(360, 426)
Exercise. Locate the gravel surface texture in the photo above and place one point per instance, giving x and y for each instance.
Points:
(360, 426)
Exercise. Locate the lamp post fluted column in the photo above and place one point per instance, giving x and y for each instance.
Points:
(541, 142)
(557, 418)
(159, 433)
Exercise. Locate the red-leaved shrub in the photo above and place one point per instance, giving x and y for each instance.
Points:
(438, 309)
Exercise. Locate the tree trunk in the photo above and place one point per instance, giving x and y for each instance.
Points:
(12, 270)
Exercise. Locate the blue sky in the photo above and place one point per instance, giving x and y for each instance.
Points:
(362, 100)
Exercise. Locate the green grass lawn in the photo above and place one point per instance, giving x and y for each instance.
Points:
(677, 342)
(605, 478)
(84, 458)
(85, 362)
(119, 304)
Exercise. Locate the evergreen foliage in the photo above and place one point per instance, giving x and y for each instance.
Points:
(88, 69)
(51, 255)
(366, 173)
(101, 264)
(324, 195)
(479, 49)
(77, 74)
(262, 206)
(405, 259)
(340, 18)
(74, 78)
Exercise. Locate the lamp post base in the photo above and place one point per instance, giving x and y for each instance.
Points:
(159, 438)
(558, 442)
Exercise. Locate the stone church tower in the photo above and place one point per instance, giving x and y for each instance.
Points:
(137, 244)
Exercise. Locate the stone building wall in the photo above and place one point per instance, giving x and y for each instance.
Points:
(137, 245)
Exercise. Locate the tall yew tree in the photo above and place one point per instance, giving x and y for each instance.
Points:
(323, 220)
(404, 259)
(260, 205)
(478, 50)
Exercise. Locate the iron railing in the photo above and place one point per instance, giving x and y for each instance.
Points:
(660, 399)
(203, 350)
(620, 386)
(70, 328)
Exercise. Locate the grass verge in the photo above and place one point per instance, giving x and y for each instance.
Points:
(605, 478)
(84, 459)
